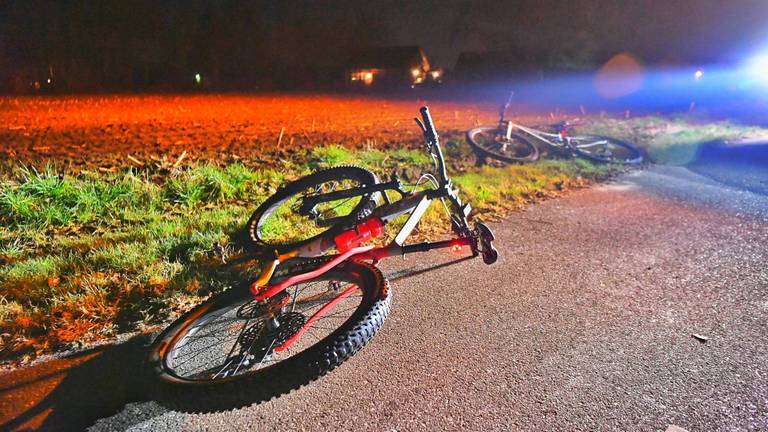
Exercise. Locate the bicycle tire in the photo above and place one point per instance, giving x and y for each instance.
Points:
(230, 392)
(491, 147)
(361, 209)
(626, 154)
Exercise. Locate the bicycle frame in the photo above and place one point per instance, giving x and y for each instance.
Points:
(413, 203)
(553, 139)
(561, 139)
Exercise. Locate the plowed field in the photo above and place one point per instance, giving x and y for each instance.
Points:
(105, 129)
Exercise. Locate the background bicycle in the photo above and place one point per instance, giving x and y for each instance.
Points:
(512, 142)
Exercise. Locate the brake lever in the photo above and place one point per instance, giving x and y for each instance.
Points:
(427, 140)
(421, 125)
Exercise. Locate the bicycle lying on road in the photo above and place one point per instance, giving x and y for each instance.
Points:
(306, 313)
(511, 142)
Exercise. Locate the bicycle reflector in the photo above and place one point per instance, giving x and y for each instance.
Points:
(456, 248)
(363, 232)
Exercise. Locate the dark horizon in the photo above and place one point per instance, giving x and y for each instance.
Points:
(146, 45)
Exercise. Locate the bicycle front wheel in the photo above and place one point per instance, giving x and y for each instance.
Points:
(279, 223)
(227, 352)
(488, 142)
(605, 149)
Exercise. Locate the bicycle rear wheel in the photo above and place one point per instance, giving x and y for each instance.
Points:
(605, 149)
(278, 224)
(488, 142)
(227, 352)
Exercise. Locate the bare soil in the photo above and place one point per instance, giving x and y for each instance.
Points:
(104, 130)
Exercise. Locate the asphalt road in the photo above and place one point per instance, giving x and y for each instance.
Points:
(585, 323)
(740, 164)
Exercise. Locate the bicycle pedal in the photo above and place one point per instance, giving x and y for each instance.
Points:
(486, 237)
(484, 232)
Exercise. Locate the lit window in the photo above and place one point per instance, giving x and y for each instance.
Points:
(365, 75)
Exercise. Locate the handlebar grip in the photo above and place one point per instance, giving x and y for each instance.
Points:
(428, 125)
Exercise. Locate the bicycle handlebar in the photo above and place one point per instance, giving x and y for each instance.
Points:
(433, 144)
(429, 128)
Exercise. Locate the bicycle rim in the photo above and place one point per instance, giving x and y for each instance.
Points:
(277, 223)
(605, 149)
(488, 142)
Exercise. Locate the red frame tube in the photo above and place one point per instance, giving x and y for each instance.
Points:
(262, 293)
(373, 253)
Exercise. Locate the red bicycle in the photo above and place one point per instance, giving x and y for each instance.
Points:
(306, 313)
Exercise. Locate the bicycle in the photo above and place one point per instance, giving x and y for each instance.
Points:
(306, 313)
(511, 142)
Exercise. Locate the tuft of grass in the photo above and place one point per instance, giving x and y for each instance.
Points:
(210, 184)
(417, 158)
(326, 156)
(47, 198)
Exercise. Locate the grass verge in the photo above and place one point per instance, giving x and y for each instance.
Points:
(675, 140)
(86, 256)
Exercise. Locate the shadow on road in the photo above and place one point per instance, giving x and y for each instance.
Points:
(71, 393)
(415, 271)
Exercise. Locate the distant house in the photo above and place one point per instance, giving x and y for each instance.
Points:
(390, 67)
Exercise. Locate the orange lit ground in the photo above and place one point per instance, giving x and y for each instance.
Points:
(104, 129)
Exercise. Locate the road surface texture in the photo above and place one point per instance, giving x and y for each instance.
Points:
(585, 323)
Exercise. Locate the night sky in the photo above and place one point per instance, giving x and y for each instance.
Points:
(654, 28)
(109, 43)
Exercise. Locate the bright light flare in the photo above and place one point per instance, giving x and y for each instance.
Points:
(198, 78)
(698, 74)
(415, 73)
(757, 69)
(456, 249)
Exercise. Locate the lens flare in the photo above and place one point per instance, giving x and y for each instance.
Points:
(757, 69)
(620, 76)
